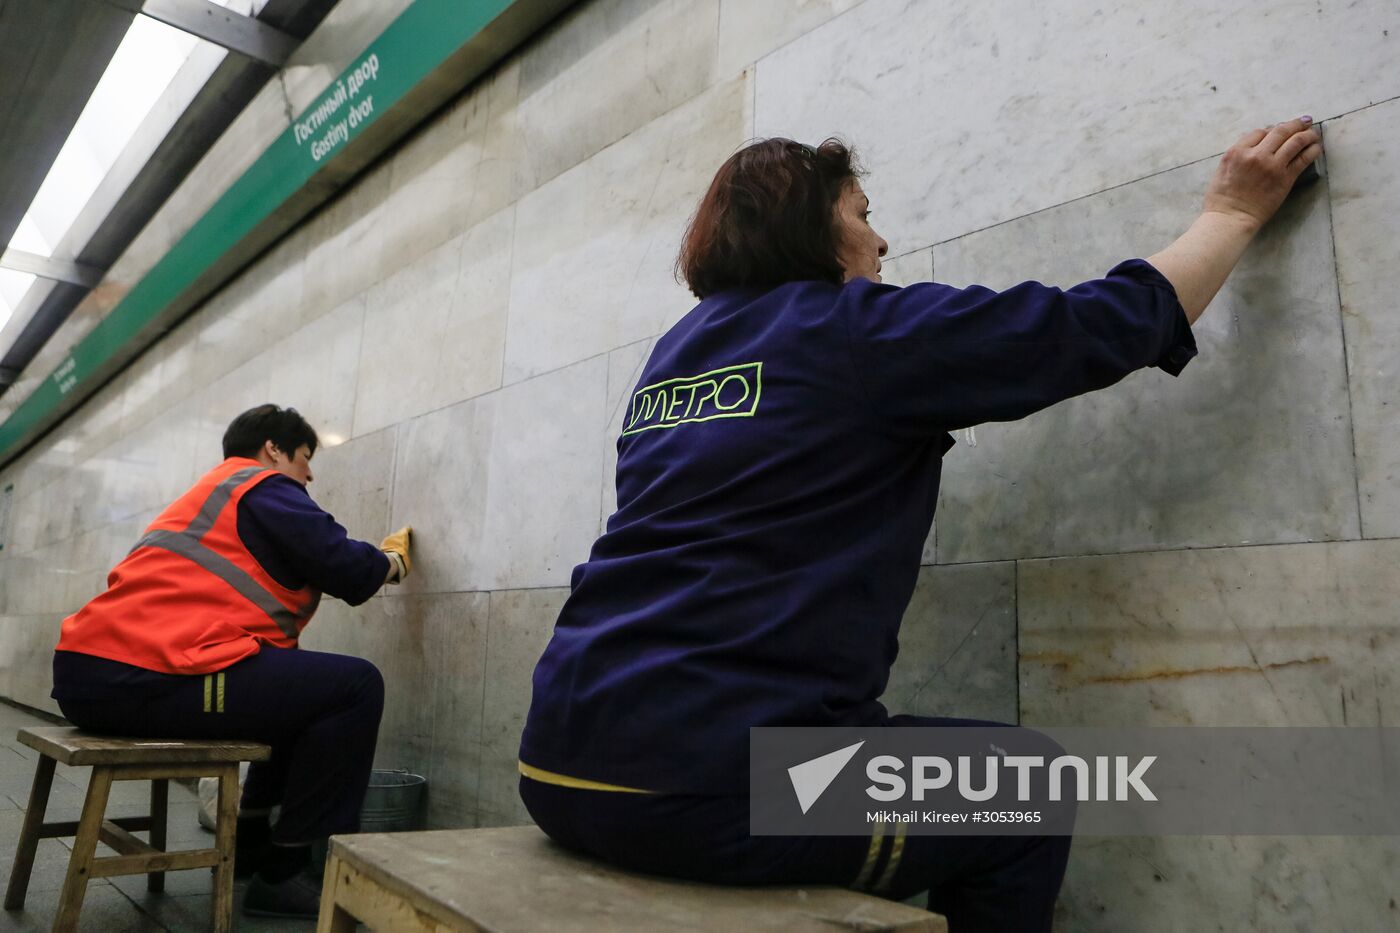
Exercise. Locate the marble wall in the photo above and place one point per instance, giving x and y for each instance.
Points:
(464, 325)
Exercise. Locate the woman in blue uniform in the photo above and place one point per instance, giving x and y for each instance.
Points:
(777, 476)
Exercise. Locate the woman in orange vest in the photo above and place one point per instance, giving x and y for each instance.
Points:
(196, 637)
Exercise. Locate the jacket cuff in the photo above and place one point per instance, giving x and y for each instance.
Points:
(1180, 343)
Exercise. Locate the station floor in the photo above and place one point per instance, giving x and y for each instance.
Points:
(115, 905)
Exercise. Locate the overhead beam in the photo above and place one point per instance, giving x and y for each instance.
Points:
(211, 22)
(73, 273)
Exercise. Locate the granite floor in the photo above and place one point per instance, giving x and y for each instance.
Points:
(118, 905)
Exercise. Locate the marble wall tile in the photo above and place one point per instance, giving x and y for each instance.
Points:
(595, 248)
(1252, 444)
(353, 482)
(97, 423)
(160, 378)
(748, 31)
(522, 622)
(22, 526)
(250, 314)
(543, 502)
(1362, 149)
(1298, 884)
(457, 634)
(432, 653)
(625, 366)
(393, 634)
(1296, 635)
(225, 399)
(435, 332)
(9, 646)
(456, 171)
(503, 491)
(909, 268)
(971, 113)
(440, 488)
(316, 370)
(149, 468)
(651, 55)
(957, 645)
(31, 664)
(344, 243)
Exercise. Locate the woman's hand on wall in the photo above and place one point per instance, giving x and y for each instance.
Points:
(1251, 182)
(1258, 171)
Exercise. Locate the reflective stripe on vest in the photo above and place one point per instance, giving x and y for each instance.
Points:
(187, 544)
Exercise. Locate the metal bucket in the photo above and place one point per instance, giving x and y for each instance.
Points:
(393, 803)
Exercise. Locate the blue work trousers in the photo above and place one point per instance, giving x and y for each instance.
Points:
(982, 884)
(319, 712)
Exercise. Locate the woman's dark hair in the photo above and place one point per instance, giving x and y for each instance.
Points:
(285, 427)
(767, 218)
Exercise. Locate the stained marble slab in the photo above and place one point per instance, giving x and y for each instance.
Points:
(1285, 635)
(29, 641)
(431, 650)
(1288, 635)
(522, 622)
(971, 113)
(1363, 149)
(1251, 444)
(650, 55)
(595, 248)
(503, 490)
(435, 332)
(957, 645)
(458, 634)
(1288, 884)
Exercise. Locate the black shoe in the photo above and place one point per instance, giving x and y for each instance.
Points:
(297, 898)
(250, 845)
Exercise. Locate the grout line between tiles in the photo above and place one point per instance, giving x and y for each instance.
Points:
(1346, 356)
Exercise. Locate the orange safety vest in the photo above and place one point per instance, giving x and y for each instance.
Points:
(189, 598)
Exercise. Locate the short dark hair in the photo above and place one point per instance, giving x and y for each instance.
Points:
(767, 218)
(285, 427)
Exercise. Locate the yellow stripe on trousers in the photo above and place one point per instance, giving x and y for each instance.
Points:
(877, 833)
(214, 692)
(896, 852)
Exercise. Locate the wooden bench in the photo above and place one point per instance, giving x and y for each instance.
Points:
(512, 879)
(114, 759)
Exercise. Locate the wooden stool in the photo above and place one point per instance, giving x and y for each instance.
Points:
(111, 760)
(516, 879)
